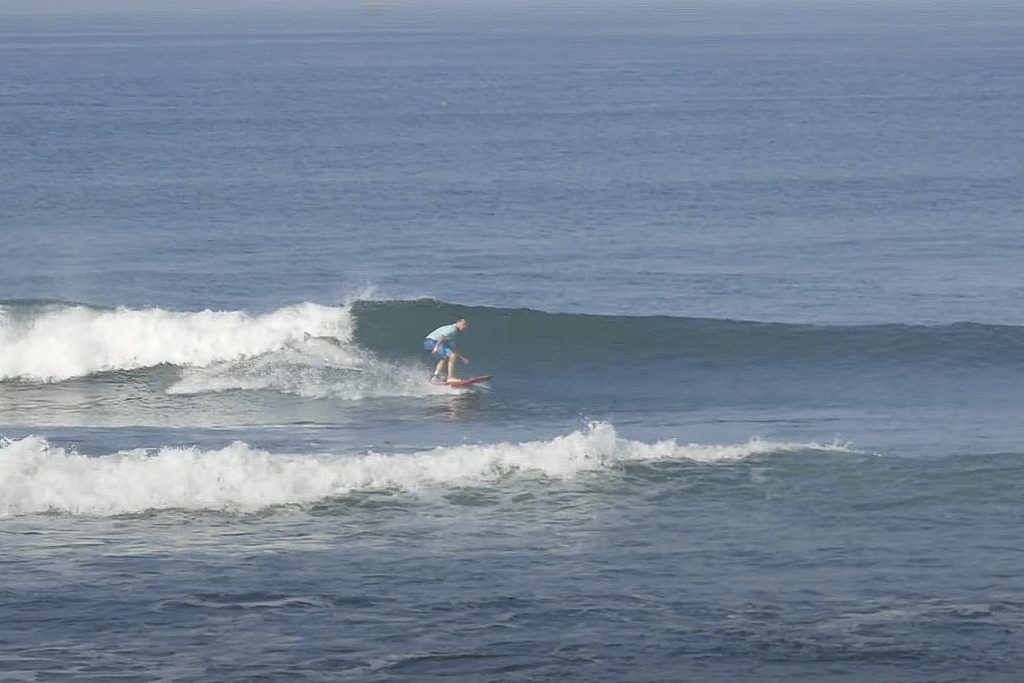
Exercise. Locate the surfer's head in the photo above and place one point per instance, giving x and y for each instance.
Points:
(462, 324)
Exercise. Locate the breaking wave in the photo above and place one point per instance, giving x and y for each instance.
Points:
(48, 342)
(37, 477)
(363, 349)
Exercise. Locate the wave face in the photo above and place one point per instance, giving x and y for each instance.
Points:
(394, 328)
(37, 477)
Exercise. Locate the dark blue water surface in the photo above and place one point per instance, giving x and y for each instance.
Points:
(747, 278)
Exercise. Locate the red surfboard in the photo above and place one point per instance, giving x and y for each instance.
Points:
(464, 382)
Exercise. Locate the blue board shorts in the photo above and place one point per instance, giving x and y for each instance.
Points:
(444, 350)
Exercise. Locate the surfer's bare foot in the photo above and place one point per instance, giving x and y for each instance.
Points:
(453, 379)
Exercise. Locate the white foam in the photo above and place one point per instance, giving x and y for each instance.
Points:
(63, 342)
(37, 477)
(312, 368)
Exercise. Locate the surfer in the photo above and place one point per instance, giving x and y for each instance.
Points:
(440, 343)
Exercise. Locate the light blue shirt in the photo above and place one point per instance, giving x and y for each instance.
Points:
(446, 331)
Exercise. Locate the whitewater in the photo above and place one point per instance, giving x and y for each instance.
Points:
(36, 477)
(54, 342)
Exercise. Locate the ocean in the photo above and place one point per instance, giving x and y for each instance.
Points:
(747, 277)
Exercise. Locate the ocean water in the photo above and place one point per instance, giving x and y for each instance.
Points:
(747, 277)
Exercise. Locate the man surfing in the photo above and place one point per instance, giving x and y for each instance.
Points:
(440, 343)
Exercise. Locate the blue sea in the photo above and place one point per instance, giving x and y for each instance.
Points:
(747, 276)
